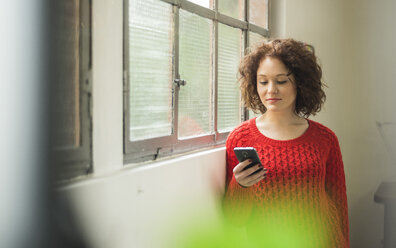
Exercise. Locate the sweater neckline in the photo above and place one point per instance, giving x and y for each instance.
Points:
(268, 140)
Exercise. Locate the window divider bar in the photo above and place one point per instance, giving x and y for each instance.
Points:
(176, 74)
(86, 78)
(222, 136)
(211, 14)
(230, 21)
(126, 102)
(267, 4)
(197, 9)
(173, 2)
(149, 144)
(243, 110)
(216, 5)
(247, 5)
(215, 78)
(151, 149)
(257, 29)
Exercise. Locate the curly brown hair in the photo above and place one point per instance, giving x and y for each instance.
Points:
(300, 59)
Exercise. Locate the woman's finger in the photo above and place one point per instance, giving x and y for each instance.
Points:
(256, 180)
(242, 176)
(247, 179)
(257, 174)
(239, 167)
(251, 170)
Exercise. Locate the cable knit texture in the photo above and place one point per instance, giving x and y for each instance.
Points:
(305, 179)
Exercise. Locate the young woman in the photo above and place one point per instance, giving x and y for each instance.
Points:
(300, 183)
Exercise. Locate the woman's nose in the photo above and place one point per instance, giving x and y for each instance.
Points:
(272, 88)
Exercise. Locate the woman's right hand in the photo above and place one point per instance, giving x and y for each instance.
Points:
(245, 177)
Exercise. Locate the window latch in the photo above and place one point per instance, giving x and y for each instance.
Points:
(180, 82)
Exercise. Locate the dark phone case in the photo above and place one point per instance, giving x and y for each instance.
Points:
(243, 153)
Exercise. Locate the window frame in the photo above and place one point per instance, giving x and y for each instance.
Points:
(72, 162)
(159, 147)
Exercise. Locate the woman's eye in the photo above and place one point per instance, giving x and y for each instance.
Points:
(282, 82)
(263, 82)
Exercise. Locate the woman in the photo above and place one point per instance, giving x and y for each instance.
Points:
(300, 184)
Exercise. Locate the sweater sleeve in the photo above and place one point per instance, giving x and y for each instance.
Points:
(237, 203)
(336, 188)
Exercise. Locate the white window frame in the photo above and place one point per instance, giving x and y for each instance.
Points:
(154, 148)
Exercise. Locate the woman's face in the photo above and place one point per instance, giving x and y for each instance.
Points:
(276, 90)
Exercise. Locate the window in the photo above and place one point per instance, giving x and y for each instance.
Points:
(180, 72)
(71, 89)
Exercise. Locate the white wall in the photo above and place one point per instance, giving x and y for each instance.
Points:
(107, 67)
(355, 43)
(373, 83)
(139, 207)
(127, 205)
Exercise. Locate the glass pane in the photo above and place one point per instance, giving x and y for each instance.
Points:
(150, 69)
(258, 13)
(204, 3)
(233, 8)
(66, 108)
(194, 67)
(228, 90)
(254, 38)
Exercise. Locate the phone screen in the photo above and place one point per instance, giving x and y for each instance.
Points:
(243, 153)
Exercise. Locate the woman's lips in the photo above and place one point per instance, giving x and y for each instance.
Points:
(272, 100)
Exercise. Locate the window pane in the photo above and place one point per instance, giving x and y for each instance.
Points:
(194, 67)
(204, 3)
(254, 38)
(233, 8)
(258, 13)
(228, 91)
(66, 109)
(150, 69)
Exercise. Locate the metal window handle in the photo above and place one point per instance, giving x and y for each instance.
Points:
(180, 82)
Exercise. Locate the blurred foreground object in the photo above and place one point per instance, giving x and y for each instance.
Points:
(29, 216)
(23, 171)
(277, 230)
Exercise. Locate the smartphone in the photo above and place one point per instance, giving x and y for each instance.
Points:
(243, 153)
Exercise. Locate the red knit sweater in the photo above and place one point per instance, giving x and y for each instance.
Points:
(304, 187)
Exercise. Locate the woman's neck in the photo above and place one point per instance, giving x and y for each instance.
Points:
(280, 118)
(281, 125)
